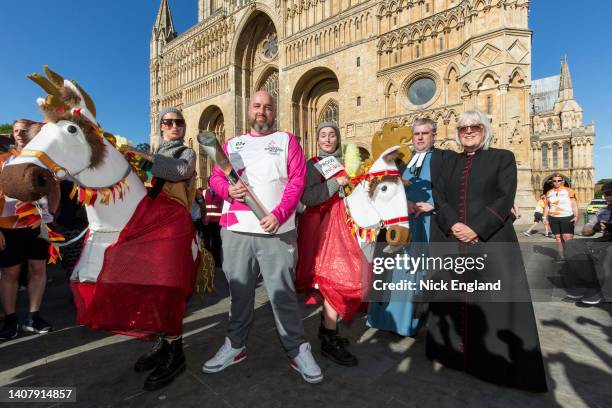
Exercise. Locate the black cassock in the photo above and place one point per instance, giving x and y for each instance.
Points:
(490, 335)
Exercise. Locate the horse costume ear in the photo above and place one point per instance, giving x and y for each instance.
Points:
(56, 78)
(88, 101)
(53, 84)
(45, 84)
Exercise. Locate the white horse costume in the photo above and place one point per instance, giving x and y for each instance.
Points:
(337, 238)
(137, 266)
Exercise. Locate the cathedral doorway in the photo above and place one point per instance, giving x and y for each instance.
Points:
(314, 100)
(256, 64)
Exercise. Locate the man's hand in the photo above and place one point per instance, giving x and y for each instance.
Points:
(269, 223)
(412, 208)
(237, 191)
(2, 242)
(422, 207)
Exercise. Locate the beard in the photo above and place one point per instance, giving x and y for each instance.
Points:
(259, 127)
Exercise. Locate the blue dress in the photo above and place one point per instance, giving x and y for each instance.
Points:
(401, 315)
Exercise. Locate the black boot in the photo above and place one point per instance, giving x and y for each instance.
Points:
(345, 342)
(171, 364)
(333, 348)
(9, 329)
(149, 360)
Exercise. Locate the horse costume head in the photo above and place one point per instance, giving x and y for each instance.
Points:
(379, 200)
(68, 145)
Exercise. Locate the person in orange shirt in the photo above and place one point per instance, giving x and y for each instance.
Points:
(538, 216)
(561, 213)
(21, 244)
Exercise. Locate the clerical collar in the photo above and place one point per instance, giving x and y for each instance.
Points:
(472, 153)
(418, 159)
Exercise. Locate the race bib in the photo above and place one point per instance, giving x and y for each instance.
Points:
(329, 167)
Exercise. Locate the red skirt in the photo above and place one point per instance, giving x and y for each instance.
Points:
(329, 257)
(147, 275)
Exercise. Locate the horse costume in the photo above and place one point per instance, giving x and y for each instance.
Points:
(138, 264)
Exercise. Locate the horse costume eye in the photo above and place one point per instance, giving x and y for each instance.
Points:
(384, 188)
(72, 129)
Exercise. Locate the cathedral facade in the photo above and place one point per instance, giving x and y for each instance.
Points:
(365, 63)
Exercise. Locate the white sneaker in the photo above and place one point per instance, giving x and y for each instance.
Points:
(225, 357)
(527, 233)
(306, 365)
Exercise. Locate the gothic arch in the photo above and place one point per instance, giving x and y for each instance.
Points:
(517, 72)
(488, 73)
(250, 59)
(450, 67)
(247, 20)
(311, 94)
(547, 183)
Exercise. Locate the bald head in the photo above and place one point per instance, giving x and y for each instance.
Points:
(261, 112)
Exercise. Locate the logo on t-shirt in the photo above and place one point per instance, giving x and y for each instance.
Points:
(239, 145)
(273, 149)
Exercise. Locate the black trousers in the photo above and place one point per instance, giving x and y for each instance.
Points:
(589, 263)
(212, 241)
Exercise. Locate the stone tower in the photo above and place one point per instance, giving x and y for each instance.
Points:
(163, 32)
(560, 142)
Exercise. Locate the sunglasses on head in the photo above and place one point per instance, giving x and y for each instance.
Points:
(470, 128)
(177, 122)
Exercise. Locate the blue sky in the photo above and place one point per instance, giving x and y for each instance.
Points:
(105, 46)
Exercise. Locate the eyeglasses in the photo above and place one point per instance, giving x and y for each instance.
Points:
(470, 128)
(178, 122)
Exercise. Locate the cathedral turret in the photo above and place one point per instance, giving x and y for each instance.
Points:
(163, 29)
(566, 90)
(566, 107)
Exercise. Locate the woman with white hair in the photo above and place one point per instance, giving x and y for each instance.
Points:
(491, 332)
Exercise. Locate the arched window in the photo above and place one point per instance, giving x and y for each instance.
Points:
(545, 156)
(555, 159)
(566, 155)
(489, 104)
(331, 112)
(549, 124)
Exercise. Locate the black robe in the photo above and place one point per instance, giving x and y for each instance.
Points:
(491, 335)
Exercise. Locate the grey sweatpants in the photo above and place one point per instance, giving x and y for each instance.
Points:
(244, 255)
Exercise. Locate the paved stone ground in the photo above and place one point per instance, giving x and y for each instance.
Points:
(393, 371)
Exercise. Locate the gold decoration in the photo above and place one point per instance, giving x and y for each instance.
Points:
(205, 280)
(393, 134)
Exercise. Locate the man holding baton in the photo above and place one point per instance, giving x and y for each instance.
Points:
(272, 164)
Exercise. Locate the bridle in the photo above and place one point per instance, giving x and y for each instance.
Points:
(61, 173)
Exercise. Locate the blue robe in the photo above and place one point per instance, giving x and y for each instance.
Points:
(401, 315)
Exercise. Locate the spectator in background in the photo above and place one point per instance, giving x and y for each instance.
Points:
(212, 230)
(19, 243)
(561, 213)
(587, 257)
(71, 220)
(538, 217)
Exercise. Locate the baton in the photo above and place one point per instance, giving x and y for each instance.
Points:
(208, 141)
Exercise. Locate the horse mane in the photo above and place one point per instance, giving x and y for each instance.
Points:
(53, 114)
(375, 181)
